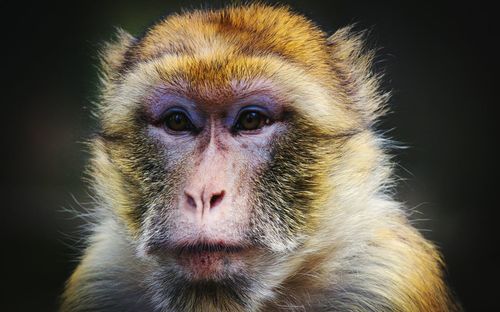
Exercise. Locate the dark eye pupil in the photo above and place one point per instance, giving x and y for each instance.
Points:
(251, 121)
(178, 122)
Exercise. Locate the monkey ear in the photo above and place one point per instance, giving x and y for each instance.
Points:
(113, 53)
(352, 62)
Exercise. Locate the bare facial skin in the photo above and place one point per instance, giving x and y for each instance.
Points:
(237, 168)
(225, 146)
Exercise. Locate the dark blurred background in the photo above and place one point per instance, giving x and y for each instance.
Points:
(438, 60)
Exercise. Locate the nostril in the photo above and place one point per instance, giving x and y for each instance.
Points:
(216, 199)
(190, 200)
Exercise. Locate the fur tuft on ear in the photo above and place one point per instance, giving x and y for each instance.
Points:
(352, 62)
(113, 54)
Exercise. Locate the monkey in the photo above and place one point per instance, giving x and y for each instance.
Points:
(237, 167)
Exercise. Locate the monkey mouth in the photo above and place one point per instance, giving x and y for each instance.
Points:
(207, 261)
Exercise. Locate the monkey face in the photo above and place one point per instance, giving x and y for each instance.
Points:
(214, 152)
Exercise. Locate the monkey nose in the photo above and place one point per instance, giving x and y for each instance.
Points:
(203, 201)
(216, 199)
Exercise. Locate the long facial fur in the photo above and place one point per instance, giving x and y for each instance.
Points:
(335, 239)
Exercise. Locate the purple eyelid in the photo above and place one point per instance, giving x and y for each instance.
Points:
(160, 106)
(262, 104)
(262, 101)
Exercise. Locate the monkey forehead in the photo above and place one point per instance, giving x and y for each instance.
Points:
(250, 30)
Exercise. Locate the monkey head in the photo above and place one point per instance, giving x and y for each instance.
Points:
(222, 135)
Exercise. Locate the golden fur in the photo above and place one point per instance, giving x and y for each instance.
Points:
(359, 252)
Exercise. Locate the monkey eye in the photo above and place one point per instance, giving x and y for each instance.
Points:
(178, 121)
(251, 119)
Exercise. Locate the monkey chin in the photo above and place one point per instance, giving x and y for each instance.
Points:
(211, 262)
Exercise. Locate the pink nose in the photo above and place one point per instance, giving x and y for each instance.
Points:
(201, 202)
